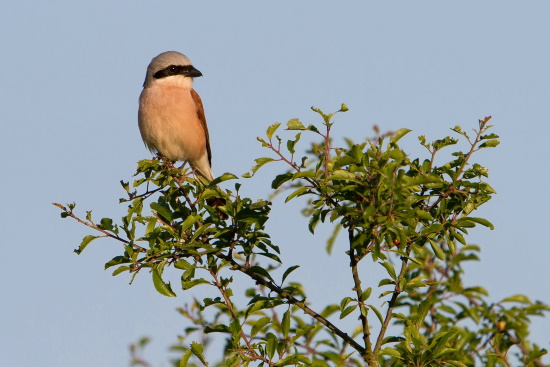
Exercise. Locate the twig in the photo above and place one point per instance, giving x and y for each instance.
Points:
(145, 195)
(250, 352)
(94, 226)
(461, 168)
(327, 148)
(292, 300)
(359, 292)
(391, 303)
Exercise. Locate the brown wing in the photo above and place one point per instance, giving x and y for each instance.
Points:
(202, 119)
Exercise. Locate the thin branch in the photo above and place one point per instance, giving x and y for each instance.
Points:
(359, 292)
(145, 195)
(94, 226)
(460, 170)
(391, 303)
(292, 300)
(250, 352)
(327, 149)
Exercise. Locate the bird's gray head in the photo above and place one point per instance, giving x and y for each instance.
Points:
(168, 64)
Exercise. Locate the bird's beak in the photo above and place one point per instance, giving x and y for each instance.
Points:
(192, 72)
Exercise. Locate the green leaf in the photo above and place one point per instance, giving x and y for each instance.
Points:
(440, 348)
(434, 228)
(309, 174)
(378, 314)
(482, 221)
(398, 135)
(424, 215)
(160, 286)
(288, 271)
(197, 350)
(356, 152)
(117, 260)
(270, 255)
(366, 294)
(272, 129)
(290, 144)
(313, 128)
(347, 311)
(107, 224)
(345, 160)
(437, 249)
(185, 358)
(456, 363)
(300, 332)
(188, 284)
(85, 242)
(225, 177)
(441, 143)
(281, 179)
(301, 191)
(342, 175)
(329, 310)
(188, 222)
(332, 239)
(344, 302)
(217, 329)
(390, 269)
(489, 136)
(393, 339)
(390, 352)
(295, 124)
(519, 298)
(422, 179)
(417, 281)
(121, 269)
(489, 144)
(460, 238)
(163, 210)
(315, 216)
(260, 305)
(260, 271)
(294, 361)
(271, 345)
(182, 264)
(422, 312)
(384, 282)
(259, 325)
(259, 163)
(535, 354)
(285, 324)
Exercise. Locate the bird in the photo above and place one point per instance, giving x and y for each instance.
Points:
(171, 116)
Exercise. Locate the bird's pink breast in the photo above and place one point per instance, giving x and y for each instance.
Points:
(169, 123)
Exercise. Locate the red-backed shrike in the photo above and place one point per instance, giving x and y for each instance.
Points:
(171, 117)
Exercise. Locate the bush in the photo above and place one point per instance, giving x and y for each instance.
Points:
(409, 216)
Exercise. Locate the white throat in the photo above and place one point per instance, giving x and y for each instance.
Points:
(175, 81)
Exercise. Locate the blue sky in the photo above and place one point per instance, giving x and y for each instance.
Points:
(71, 74)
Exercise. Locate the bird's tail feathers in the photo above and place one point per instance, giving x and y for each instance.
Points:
(205, 172)
(202, 166)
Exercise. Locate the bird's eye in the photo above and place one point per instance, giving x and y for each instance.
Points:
(172, 68)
